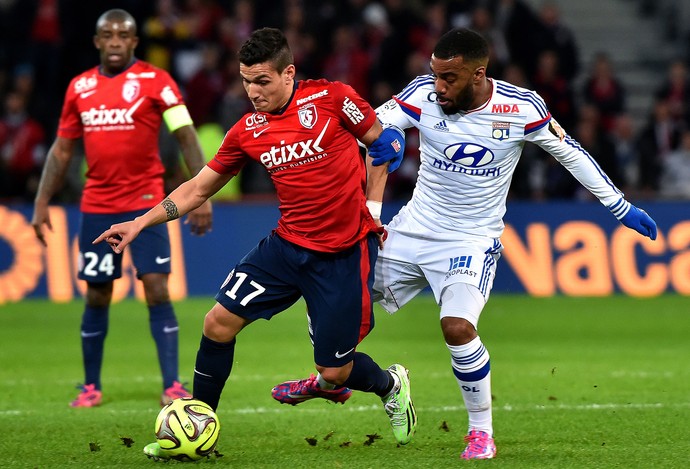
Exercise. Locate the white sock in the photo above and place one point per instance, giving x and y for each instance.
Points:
(323, 384)
(471, 367)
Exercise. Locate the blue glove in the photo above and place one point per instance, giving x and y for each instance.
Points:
(634, 218)
(388, 148)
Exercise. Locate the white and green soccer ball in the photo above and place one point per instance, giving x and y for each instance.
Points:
(187, 429)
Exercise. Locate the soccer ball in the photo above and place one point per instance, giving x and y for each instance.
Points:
(187, 429)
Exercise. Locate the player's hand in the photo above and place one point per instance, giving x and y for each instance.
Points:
(388, 148)
(120, 235)
(41, 217)
(200, 219)
(634, 218)
(383, 234)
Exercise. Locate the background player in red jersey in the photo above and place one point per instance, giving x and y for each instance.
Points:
(305, 134)
(117, 108)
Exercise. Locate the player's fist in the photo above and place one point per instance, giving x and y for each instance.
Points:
(388, 148)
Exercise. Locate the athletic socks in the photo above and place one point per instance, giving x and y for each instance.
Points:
(212, 369)
(94, 329)
(367, 376)
(472, 370)
(323, 384)
(164, 329)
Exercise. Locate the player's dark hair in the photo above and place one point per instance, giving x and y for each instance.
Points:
(116, 15)
(462, 42)
(266, 45)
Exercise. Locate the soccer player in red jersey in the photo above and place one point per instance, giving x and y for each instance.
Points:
(305, 134)
(117, 109)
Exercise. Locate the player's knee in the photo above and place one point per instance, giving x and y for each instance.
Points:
(221, 325)
(335, 376)
(156, 289)
(99, 295)
(457, 331)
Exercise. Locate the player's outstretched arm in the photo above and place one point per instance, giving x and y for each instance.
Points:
(634, 218)
(188, 196)
(120, 235)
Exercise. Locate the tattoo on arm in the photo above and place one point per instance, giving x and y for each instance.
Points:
(170, 209)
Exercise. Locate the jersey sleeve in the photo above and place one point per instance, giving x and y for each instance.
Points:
(404, 110)
(229, 158)
(542, 129)
(356, 114)
(553, 139)
(70, 125)
(170, 102)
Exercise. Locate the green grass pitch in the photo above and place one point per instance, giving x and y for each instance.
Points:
(577, 383)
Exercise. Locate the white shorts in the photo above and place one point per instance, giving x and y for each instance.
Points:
(408, 264)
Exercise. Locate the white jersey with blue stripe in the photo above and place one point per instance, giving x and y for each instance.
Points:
(468, 159)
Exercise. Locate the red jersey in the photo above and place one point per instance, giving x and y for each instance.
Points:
(310, 150)
(119, 118)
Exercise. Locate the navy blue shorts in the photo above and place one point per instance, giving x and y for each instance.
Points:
(98, 263)
(337, 288)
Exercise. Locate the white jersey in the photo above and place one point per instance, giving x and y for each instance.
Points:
(468, 159)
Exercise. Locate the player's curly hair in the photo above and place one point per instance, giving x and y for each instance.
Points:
(266, 45)
(462, 42)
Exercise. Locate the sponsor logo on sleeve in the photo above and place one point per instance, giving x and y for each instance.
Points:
(556, 129)
(352, 111)
(168, 96)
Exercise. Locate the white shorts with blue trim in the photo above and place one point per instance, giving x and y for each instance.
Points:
(409, 264)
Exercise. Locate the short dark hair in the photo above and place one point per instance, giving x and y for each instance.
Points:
(462, 42)
(266, 45)
(116, 15)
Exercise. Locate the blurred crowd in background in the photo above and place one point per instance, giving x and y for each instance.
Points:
(375, 46)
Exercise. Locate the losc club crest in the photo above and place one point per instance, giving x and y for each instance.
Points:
(130, 90)
(307, 116)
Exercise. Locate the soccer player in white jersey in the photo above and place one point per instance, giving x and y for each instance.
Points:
(472, 131)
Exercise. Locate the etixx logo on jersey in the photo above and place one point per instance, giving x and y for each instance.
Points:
(470, 155)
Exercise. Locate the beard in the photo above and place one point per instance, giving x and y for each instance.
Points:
(461, 103)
